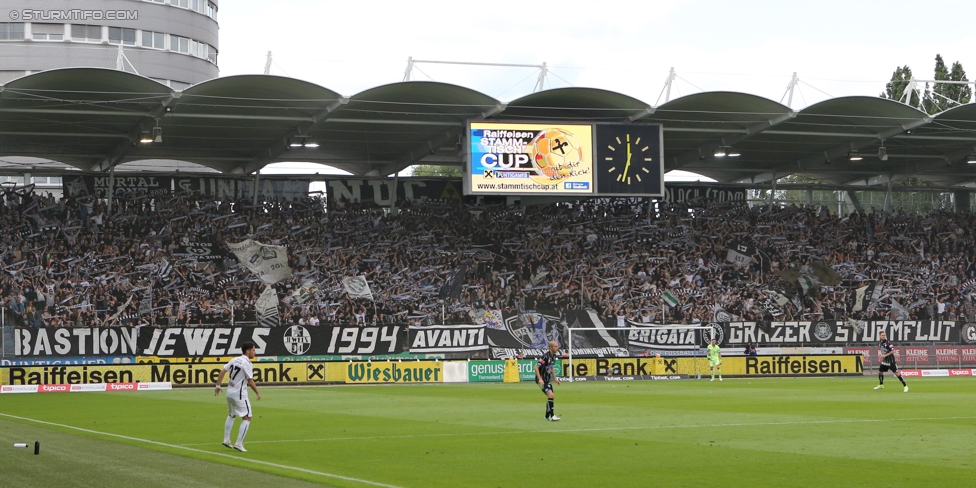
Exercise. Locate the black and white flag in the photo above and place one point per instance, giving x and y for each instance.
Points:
(357, 287)
(862, 297)
(164, 269)
(266, 308)
(454, 284)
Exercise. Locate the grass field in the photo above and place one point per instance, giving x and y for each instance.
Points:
(757, 432)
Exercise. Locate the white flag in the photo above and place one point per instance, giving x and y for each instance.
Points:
(269, 263)
(780, 298)
(357, 287)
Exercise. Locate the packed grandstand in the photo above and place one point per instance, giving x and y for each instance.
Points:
(165, 262)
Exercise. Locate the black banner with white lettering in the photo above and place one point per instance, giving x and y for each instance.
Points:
(525, 334)
(197, 252)
(837, 333)
(688, 194)
(269, 188)
(123, 187)
(295, 340)
(378, 192)
(448, 338)
(669, 338)
(74, 342)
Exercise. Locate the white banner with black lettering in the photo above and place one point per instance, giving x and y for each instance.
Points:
(447, 338)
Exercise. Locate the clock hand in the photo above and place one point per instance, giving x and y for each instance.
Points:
(627, 166)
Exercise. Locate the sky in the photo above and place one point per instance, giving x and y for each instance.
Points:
(836, 48)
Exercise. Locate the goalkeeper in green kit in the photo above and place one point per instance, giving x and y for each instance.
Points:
(715, 359)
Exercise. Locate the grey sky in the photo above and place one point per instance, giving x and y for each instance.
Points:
(841, 48)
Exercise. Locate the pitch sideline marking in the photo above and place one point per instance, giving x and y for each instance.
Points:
(601, 429)
(176, 446)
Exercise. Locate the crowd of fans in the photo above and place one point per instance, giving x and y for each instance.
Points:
(70, 262)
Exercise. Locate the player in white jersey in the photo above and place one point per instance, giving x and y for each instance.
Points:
(241, 377)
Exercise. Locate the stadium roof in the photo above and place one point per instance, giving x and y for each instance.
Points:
(92, 119)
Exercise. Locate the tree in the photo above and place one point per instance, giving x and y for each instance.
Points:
(947, 95)
(938, 98)
(895, 89)
(429, 170)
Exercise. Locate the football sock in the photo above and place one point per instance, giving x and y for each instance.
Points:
(228, 425)
(242, 432)
(549, 408)
(880, 378)
(902, 380)
(713, 374)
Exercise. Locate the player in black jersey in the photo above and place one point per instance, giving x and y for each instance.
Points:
(888, 362)
(544, 377)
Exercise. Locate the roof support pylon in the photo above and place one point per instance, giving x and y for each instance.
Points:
(790, 88)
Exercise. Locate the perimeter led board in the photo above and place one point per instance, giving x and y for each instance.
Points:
(507, 158)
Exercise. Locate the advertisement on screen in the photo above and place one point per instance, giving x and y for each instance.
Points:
(529, 159)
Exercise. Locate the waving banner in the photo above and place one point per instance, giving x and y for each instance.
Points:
(269, 263)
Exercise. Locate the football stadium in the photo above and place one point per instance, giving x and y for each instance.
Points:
(472, 286)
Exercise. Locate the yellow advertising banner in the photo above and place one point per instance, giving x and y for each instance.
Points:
(197, 374)
(177, 374)
(394, 372)
(816, 365)
(828, 365)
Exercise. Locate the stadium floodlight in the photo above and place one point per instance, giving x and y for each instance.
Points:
(157, 134)
(971, 159)
(145, 138)
(883, 153)
(723, 151)
(304, 143)
(854, 156)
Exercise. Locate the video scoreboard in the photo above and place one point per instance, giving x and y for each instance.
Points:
(562, 159)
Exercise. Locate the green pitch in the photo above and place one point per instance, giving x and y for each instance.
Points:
(758, 432)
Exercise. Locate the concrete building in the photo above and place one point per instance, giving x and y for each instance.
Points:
(171, 41)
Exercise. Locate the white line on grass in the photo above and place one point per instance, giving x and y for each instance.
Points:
(176, 446)
(600, 429)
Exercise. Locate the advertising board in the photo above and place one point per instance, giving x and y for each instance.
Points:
(508, 158)
(783, 365)
(394, 372)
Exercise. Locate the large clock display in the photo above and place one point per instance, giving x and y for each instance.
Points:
(628, 160)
